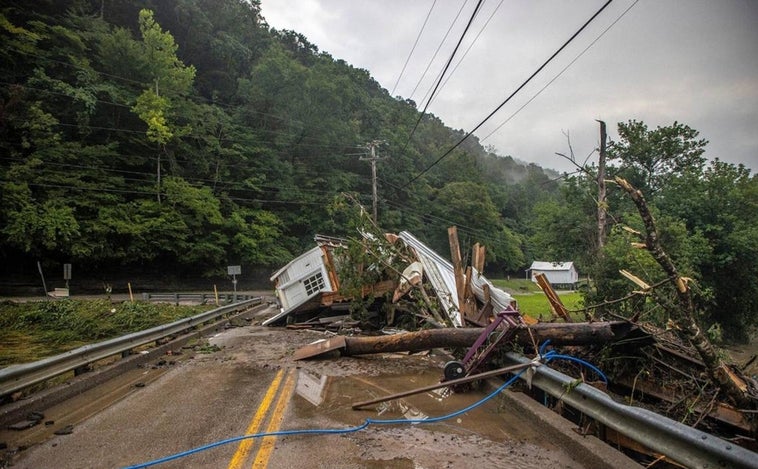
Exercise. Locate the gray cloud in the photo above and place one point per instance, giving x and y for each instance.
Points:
(695, 62)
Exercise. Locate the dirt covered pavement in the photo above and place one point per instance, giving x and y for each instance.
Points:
(246, 382)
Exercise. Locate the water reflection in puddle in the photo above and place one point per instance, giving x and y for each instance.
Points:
(311, 386)
(334, 395)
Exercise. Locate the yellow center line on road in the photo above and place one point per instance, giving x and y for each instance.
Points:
(244, 448)
(267, 446)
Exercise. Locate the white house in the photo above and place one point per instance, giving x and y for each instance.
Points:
(557, 273)
(304, 278)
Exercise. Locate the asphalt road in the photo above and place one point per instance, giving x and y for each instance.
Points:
(251, 385)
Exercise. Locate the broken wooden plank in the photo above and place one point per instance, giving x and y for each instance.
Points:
(455, 256)
(320, 347)
(556, 305)
(454, 382)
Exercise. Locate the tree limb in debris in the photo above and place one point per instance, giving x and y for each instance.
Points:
(731, 385)
(558, 333)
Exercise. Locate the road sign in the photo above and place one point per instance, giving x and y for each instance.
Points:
(234, 269)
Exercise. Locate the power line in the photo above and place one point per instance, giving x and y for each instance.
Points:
(486, 23)
(237, 186)
(468, 134)
(428, 14)
(220, 139)
(447, 65)
(123, 191)
(439, 47)
(561, 72)
(431, 97)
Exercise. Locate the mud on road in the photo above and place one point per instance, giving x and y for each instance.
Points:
(208, 397)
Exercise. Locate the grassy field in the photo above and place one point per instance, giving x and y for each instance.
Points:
(533, 302)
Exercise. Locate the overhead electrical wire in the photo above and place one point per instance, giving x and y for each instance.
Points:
(469, 133)
(124, 191)
(429, 13)
(236, 186)
(439, 80)
(452, 55)
(465, 53)
(197, 99)
(439, 47)
(561, 72)
(220, 139)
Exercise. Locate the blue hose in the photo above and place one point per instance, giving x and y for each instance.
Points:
(551, 355)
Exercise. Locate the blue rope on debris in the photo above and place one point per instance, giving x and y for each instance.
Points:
(544, 358)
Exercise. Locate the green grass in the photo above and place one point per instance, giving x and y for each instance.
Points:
(533, 302)
(34, 330)
(536, 304)
(516, 286)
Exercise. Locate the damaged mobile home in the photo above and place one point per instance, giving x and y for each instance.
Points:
(310, 284)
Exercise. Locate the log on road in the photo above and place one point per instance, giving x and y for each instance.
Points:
(582, 333)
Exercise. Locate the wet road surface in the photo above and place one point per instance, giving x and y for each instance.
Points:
(251, 385)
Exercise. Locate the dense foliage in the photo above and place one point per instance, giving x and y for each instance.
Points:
(186, 135)
(707, 217)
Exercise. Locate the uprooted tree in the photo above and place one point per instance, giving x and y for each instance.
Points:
(684, 312)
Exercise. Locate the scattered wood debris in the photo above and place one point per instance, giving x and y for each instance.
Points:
(395, 281)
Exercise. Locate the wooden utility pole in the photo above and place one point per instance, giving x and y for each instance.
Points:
(455, 256)
(602, 205)
(373, 159)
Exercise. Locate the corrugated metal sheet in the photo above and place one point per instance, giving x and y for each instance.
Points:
(499, 298)
(440, 274)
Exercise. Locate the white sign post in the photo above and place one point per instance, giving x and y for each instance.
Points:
(234, 270)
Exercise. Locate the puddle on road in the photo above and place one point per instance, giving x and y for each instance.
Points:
(333, 397)
(486, 436)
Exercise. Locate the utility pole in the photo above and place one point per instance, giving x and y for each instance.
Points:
(373, 159)
(602, 204)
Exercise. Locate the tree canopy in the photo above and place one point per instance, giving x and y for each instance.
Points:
(187, 134)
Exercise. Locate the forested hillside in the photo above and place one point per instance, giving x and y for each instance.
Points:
(183, 136)
(187, 135)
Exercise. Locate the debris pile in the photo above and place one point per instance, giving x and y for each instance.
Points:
(388, 281)
(419, 301)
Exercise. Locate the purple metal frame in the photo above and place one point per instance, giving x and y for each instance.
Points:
(510, 319)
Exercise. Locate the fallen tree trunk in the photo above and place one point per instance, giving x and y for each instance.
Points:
(582, 333)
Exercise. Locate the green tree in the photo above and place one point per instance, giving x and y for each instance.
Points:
(169, 76)
(650, 159)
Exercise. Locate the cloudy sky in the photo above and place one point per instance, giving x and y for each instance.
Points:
(691, 61)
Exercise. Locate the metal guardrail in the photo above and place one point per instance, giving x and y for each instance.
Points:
(194, 297)
(683, 444)
(17, 377)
